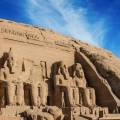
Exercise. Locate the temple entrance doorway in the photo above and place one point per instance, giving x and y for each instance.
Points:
(28, 94)
(3, 94)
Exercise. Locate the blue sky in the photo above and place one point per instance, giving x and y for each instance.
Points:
(94, 21)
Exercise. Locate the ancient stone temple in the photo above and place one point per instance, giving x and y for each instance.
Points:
(48, 76)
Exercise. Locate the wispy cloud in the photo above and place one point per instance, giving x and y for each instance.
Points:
(61, 16)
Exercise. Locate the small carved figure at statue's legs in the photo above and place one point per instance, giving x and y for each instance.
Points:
(63, 99)
(34, 117)
(80, 97)
(76, 92)
(38, 101)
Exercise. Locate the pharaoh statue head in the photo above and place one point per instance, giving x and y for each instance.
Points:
(78, 71)
(7, 60)
(63, 70)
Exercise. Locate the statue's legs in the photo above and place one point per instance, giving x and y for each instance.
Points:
(35, 94)
(76, 91)
(20, 94)
(70, 95)
(89, 97)
(44, 94)
(2, 75)
(11, 93)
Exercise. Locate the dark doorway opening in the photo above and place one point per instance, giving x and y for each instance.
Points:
(48, 100)
(28, 94)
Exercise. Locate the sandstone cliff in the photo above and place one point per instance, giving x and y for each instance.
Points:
(40, 67)
(107, 64)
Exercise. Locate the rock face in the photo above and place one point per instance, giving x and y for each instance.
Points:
(48, 76)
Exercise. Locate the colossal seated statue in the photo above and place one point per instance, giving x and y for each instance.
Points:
(74, 94)
(88, 94)
(63, 86)
(39, 86)
(7, 63)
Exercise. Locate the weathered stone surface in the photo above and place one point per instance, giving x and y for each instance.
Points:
(48, 76)
(10, 118)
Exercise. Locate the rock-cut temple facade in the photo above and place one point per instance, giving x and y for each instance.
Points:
(48, 76)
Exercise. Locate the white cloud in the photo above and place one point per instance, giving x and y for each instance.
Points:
(59, 15)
